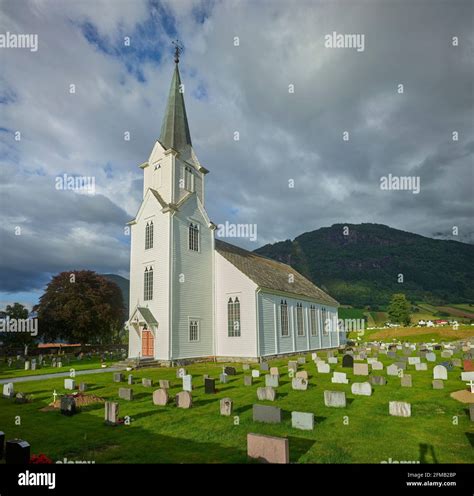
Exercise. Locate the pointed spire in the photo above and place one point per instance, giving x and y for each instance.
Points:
(175, 130)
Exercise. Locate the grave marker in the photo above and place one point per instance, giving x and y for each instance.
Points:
(267, 414)
(269, 449)
(302, 420)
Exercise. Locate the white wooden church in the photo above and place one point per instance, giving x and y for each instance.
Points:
(193, 296)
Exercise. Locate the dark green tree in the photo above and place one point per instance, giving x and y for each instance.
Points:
(399, 309)
(81, 307)
(21, 340)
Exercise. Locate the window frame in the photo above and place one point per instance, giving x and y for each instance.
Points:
(196, 320)
(284, 306)
(148, 283)
(313, 321)
(149, 235)
(233, 316)
(300, 331)
(194, 240)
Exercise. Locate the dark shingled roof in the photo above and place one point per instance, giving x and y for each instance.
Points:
(270, 274)
(147, 315)
(175, 130)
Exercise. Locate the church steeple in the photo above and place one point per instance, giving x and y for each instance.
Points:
(175, 130)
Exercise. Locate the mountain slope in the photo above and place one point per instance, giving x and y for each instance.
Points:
(363, 266)
(124, 285)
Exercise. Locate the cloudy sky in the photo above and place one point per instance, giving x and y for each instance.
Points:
(286, 137)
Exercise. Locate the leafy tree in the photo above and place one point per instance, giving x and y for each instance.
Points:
(17, 311)
(81, 307)
(399, 309)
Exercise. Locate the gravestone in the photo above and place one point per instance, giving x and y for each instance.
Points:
(347, 362)
(8, 390)
(60, 364)
(267, 414)
(27, 365)
(299, 384)
(184, 400)
(180, 373)
(471, 412)
(255, 373)
(332, 360)
(17, 452)
(449, 365)
(266, 393)
(245, 366)
(323, 368)
(438, 384)
(430, 357)
(118, 377)
(399, 409)
(315, 355)
(301, 360)
(230, 371)
(111, 412)
(401, 365)
(413, 360)
(392, 370)
(82, 387)
(303, 374)
(268, 449)
(421, 366)
(223, 378)
(292, 365)
(68, 406)
(361, 389)
(406, 381)
(274, 371)
(302, 420)
(247, 380)
(226, 407)
(161, 397)
(264, 367)
(467, 376)
(468, 365)
(147, 382)
(209, 386)
(378, 380)
(377, 365)
(126, 394)
(392, 354)
(130, 379)
(188, 383)
(440, 372)
(446, 354)
(361, 369)
(339, 378)
(335, 399)
(271, 381)
(164, 384)
(33, 365)
(69, 384)
(457, 362)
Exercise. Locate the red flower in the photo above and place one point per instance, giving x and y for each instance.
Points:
(40, 459)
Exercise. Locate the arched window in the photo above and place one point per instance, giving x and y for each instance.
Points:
(233, 317)
(299, 319)
(326, 322)
(193, 330)
(149, 235)
(284, 327)
(313, 320)
(193, 237)
(148, 284)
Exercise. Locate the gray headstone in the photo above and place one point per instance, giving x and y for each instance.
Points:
(245, 366)
(392, 370)
(223, 378)
(421, 366)
(361, 369)
(118, 377)
(130, 379)
(430, 357)
(82, 387)
(266, 393)
(336, 399)
(111, 412)
(268, 414)
(471, 412)
(264, 367)
(271, 381)
(438, 384)
(378, 380)
(406, 381)
(302, 420)
(247, 380)
(226, 406)
(299, 384)
(147, 382)
(126, 394)
(164, 384)
(301, 360)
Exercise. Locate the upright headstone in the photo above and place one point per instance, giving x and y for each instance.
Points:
(247, 380)
(378, 380)
(8, 390)
(301, 360)
(147, 382)
(160, 397)
(111, 412)
(245, 366)
(188, 383)
(361, 369)
(437, 384)
(118, 377)
(361, 388)
(271, 381)
(268, 449)
(377, 365)
(268, 414)
(266, 393)
(2, 444)
(184, 400)
(82, 387)
(68, 406)
(274, 371)
(130, 379)
(17, 452)
(348, 362)
(421, 366)
(126, 394)
(339, 378)
(302, 420)
(210, 386)
(406, 381)
(440, 372)
(264, 367)
(302, 374)
(255, 373)
(223, 378)
(430, 357)
(299, 384)
(399, 409)
(392, 370)
(335, 399)
(226, 407)
(69, 384)
(164, 384)
(471, 412)
(323, 368)
(230, 371)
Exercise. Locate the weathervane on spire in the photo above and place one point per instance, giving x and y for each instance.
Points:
(178, 48)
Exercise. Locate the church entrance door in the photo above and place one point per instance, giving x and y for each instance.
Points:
(148, 344)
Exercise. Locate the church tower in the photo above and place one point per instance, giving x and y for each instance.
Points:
(172, 247)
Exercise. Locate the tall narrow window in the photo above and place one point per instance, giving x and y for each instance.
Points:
(326, 322)
(193, 237)
(149, 235)
(193, 330)
(188, 179)
(285, 330)
(312, 321)
(148, 284)
(299, 319)
(233, 318)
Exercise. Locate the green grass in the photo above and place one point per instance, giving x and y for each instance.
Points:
(169, 434)
(18, 370)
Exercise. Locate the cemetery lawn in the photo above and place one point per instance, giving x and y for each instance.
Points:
(18, 368)
(361, 433)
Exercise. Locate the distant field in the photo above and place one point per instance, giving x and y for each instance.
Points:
(457, 312)
(418, 334)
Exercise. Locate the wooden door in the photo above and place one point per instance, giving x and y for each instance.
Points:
(148, 343)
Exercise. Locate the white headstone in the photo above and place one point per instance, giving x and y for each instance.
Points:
(440, 372)
(255, 373)
(8, 390)
(413, 360)
(188, 383)
(339, 378)
(69, 384)
(323, 368)
(361, 388)
(399, 409)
